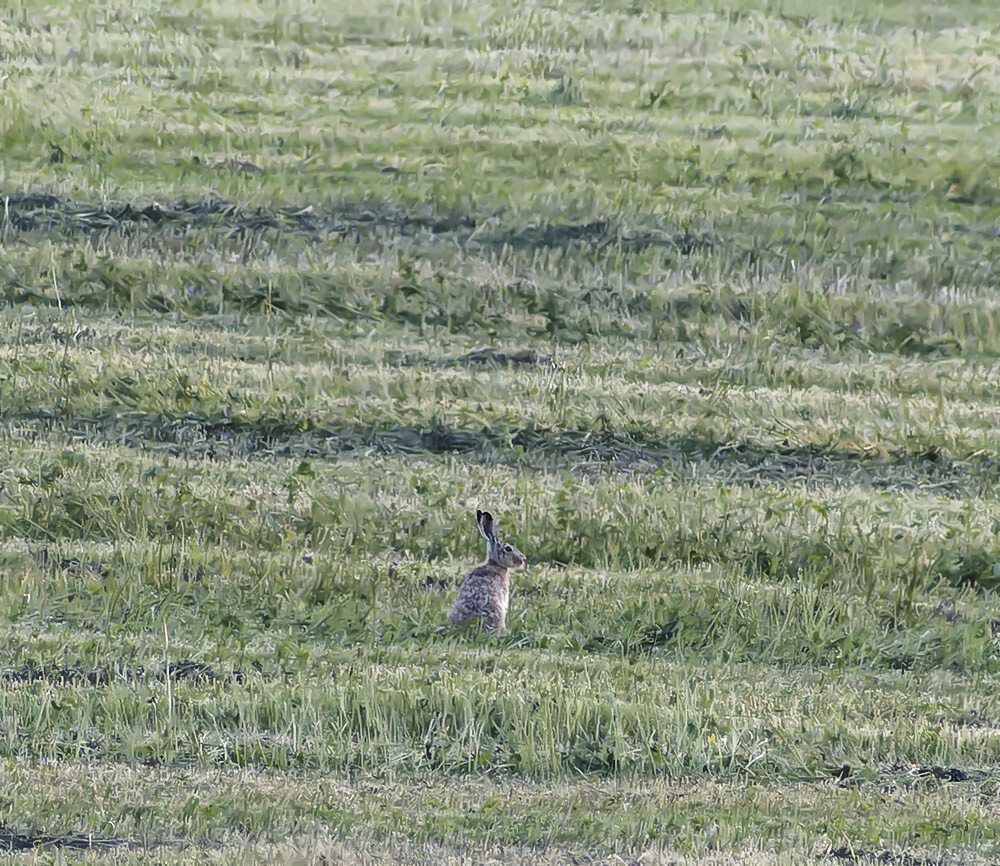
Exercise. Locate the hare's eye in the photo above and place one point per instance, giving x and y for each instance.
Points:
(507, 548)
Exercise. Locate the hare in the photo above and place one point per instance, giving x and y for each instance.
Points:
(486, 589)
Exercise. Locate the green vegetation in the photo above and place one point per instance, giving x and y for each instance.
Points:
(699, 300)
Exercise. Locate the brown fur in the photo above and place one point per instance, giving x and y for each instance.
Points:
(485, 592)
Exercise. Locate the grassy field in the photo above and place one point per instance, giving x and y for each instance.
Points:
(699, 298)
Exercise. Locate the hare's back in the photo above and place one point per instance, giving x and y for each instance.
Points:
(483, 594)
(484, 586)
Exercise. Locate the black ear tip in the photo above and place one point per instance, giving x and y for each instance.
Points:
(479, 515)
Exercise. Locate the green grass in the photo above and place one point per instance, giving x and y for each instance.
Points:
(699, 299)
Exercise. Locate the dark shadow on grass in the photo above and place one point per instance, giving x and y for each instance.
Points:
(32, 212)
(192, 671)
(847, 854)
(475, 358)
(635, 452)
(12, 841)
(596, 234)
(25, 212)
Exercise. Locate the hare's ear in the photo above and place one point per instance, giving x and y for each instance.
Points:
(486, 528)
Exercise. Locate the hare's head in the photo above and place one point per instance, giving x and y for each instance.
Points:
(498, 552)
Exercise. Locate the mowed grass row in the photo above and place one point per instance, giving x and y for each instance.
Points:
(868, 174)
(430, 91)
(494, 819)
(377, 260)
(765, 394)
(699, 301)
